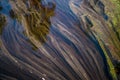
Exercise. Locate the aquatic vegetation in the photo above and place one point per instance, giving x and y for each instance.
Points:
(59, 40)
(39, 23)
(114, 13)
(102, 31)
(37, 18)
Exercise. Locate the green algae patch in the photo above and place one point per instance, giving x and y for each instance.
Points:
(112, 9)
(102, 33)
(110, 64)
(2, 23)
(116, 16)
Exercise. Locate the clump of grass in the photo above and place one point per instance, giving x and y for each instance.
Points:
(2, 22)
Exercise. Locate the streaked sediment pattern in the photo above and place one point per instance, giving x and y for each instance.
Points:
(59, 40)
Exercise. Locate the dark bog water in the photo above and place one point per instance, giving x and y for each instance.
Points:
(51, 40)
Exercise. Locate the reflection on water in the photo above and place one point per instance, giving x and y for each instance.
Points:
(56, 40)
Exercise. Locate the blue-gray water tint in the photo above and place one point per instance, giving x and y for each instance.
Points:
(8, 39)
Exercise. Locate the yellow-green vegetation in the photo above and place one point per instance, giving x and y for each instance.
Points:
(110, 64)
(113, 11)
(105, 42)
(2, 23)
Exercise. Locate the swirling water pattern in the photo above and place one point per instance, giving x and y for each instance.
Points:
(53, 45)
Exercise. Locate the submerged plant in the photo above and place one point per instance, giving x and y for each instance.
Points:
(38, 20)
(35, 16)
